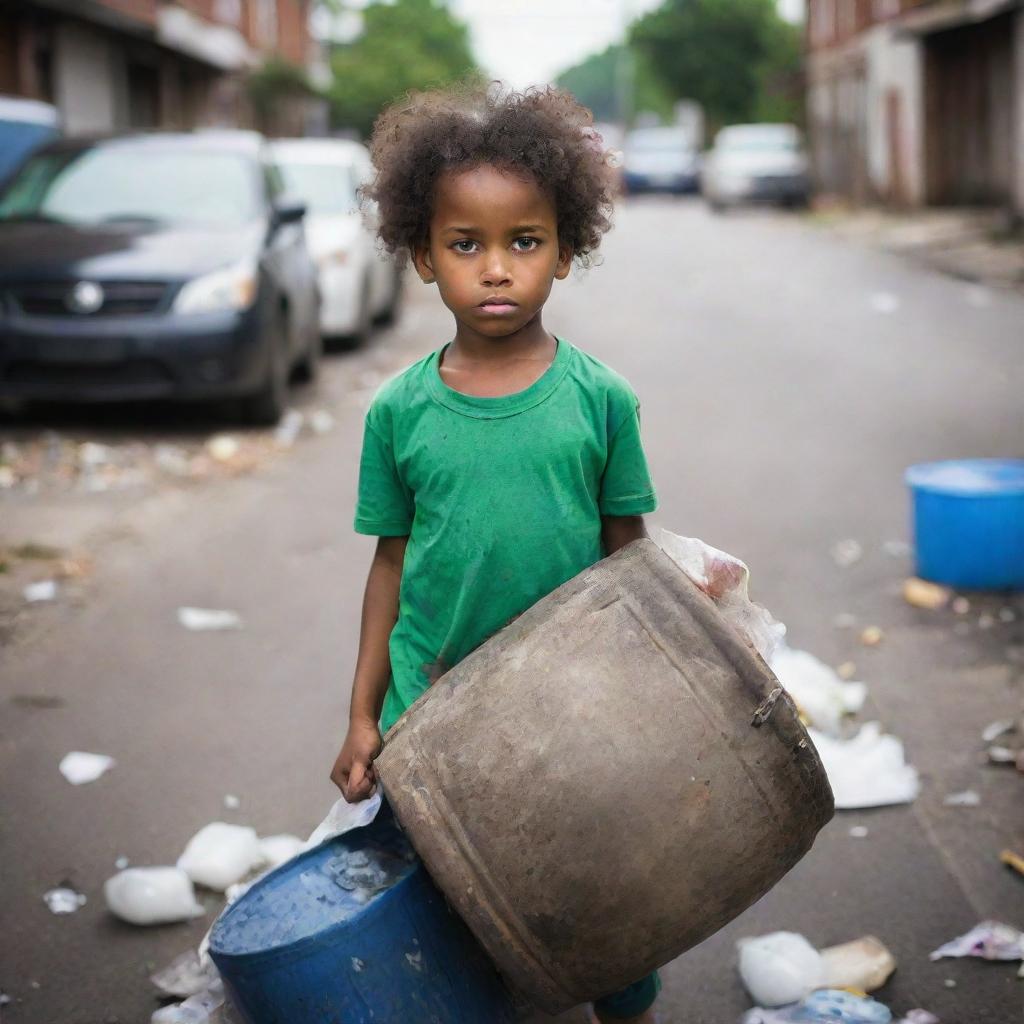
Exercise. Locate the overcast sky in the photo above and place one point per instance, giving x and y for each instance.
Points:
(528, 42)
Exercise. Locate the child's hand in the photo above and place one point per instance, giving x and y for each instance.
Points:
(353, 770)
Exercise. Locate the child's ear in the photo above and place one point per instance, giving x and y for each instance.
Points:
(421, 260)
(564, 264)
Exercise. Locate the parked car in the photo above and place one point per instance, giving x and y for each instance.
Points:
(25, 125)
(660, 160)
(155, 266)
(755, 163)
(358, 285)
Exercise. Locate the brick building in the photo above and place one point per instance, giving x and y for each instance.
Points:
(118, 64)
(917, 102)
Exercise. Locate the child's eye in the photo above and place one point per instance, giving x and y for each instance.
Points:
(466, 245)
(526, 244)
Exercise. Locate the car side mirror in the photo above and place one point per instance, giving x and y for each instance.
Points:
(288, 211)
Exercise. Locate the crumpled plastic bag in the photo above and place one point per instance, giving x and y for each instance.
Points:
(990, 940)
(343, 817)
(822, 697)
(152, 896)
(725, 579)
(868, 770)
(779, 968)
(219, 855)
(826, 1006)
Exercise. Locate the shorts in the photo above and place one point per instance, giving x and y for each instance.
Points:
(632, 1000)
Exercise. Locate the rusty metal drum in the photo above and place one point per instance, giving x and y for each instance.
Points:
(606, 782)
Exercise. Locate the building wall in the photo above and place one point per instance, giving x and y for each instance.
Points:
(895, 116)
(85, 78)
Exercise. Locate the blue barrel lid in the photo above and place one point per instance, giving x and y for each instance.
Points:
(317, 892)
(969, 477)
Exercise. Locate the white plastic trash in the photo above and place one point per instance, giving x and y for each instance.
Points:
(780, 968)
(817, 689)
(219, 855)
(157, 895)
(79, 767)
(869, 770)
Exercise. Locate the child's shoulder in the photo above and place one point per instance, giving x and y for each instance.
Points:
(397, 392)
(593, 375)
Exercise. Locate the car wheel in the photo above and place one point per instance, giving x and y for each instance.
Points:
(389, 314)
(266, 406)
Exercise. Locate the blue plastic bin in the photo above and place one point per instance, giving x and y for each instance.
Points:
(297, 949)
(969, 522)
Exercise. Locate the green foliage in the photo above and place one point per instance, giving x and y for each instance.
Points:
(607, 81)
(273, 81)
(408, 44)
(737, 58)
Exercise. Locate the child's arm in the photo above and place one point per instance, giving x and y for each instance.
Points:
(353, 770)
(618, 531)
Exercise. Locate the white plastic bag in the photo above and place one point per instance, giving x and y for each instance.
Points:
(343, 817)
(219, 855)
(152, 896)
(868, 770)
(818, 691)
(779, 968)
(725, 580)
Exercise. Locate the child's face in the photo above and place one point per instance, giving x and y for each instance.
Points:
(493, 249)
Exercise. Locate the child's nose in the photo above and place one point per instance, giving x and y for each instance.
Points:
(496, 272)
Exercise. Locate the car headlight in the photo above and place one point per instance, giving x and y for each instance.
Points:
(230, 288)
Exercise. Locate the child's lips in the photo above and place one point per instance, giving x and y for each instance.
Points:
(498, 306)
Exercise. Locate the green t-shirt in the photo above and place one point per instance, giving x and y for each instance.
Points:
(501, 499)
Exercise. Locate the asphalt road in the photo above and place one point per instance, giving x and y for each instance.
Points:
(787, 378)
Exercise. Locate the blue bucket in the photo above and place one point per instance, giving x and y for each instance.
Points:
(969, 522)
(301, 948)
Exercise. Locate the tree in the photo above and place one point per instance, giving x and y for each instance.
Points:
(597, 82)
(728, 55)
(408, 44)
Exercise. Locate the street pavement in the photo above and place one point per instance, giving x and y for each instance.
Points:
(787, 378)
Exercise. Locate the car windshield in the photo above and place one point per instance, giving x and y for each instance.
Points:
(107, 184)
(658, 141)
(325, 188)
(759, 140)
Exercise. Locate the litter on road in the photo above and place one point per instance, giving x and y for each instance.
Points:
(231, 802)
(868, 770)
(847, 552)
(63, 900)
(922, 594)
(197, 1009)
(79, 767)
(865, 964)
(821, 695)
(989, 940)
(967, 798)
(186, 975)
(872, 636)
(884, 302)
(994, 730)
(961, 605)
(321, 421)
(779, 968)
(208, 619)
(157, 895)
(287, 431)
(825, 1006)
(42, 590)
(859, 831)
(1012, 860)
(222, 447)
(219, 855)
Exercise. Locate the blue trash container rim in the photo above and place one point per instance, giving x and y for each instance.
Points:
(969, 478)
(295, 946)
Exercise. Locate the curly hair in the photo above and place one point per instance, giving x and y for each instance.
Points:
(543, 134)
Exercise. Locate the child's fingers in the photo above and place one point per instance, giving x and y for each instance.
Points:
(356, 781)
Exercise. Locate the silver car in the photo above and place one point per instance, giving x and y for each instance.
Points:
(756, 163)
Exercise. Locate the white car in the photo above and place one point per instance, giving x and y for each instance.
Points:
(756, 162)
(358, 285)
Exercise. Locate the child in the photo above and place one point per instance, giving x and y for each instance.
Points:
(508, 461)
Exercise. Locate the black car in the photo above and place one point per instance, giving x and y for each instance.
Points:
(155, 266)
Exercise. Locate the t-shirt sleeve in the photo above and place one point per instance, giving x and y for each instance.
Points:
(384, 507)
(626, 487)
